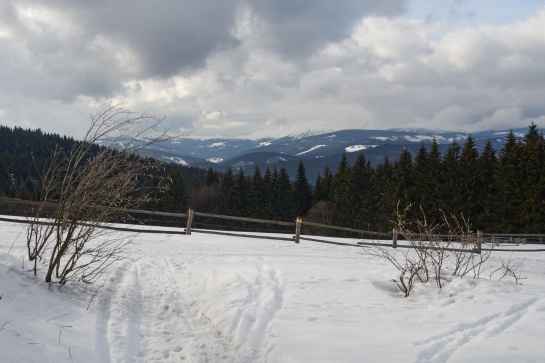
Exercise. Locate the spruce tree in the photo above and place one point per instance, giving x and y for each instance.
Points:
(257, 194)
(302, 197)
(433, 209)
(533, 163)
(420, 188)
(268, 202)
(211, 178)
(341, 206)
(468, 190)
(488, 202)
(510, 181)
(450, 178)
(328, 184)
(382, 196)
(359, 193)
(404, 179)
(318, 193)
(241, 194)
(282, 195)
(227, 198)
(175, 198)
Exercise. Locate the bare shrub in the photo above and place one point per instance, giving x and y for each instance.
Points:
(510, 268)
(82, 189)
(427, 253)
(408, 264)
(318, 213)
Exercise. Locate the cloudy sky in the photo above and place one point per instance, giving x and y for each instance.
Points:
(253, 68)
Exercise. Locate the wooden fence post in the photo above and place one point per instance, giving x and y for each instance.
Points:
(189, 222)
(298, 223)
(394, 238)
(479, 241)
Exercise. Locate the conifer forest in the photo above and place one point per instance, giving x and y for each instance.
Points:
(500, 191)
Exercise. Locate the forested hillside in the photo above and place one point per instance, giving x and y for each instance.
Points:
(499, 191)
(25, 152)
(21, 150)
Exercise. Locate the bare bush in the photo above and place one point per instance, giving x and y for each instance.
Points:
(510, 268)
(427, 253)
(318, 213)
(80, 190)
(408, 264)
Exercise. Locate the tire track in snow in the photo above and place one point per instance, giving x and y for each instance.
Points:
(444, 345)
(256, 311)
(102, 346)
(119, 317)
(198, 340)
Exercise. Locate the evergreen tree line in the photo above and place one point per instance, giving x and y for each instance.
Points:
(25, 152)
(22, 152)
(501, 192)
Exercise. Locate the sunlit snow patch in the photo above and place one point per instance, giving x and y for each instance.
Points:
(176, 160)
(311, 149)
(215, 160)
(355, 148)
(384, 138)
(217, 144)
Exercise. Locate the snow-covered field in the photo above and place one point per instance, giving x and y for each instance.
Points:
(206, 298)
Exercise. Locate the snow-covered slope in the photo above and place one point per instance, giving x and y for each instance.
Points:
(205, 298)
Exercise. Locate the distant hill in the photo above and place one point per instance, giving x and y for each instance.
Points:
(24, 152)
(316, 149)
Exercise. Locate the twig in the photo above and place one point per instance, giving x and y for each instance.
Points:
(7, 322)
(60, 330)
(97, 289)
(58, 317)
(15, 240)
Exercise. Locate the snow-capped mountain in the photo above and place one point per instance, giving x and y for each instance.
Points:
(317, 149)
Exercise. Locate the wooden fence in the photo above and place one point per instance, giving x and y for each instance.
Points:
(297, 226)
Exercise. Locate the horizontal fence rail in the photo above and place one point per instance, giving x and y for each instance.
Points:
(485, 238)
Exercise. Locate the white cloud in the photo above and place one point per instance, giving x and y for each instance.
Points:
(234, 71)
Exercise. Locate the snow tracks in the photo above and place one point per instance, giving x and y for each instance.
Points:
(440, 348)
(143, 317)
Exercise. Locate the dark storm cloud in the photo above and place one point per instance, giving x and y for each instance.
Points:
(169, 36)
(298, 28)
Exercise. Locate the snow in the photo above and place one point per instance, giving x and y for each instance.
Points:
(418, 138)
(215, 160)
(217, 144)
(384, 138)
(420, 130)
(309, 133)
(176, 160)
(208, 298)
(311, 149)
(356, 148)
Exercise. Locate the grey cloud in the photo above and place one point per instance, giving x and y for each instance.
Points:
(75, 47)
(168, 36)
(298, 28)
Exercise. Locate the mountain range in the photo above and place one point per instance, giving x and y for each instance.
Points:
(317, 149)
